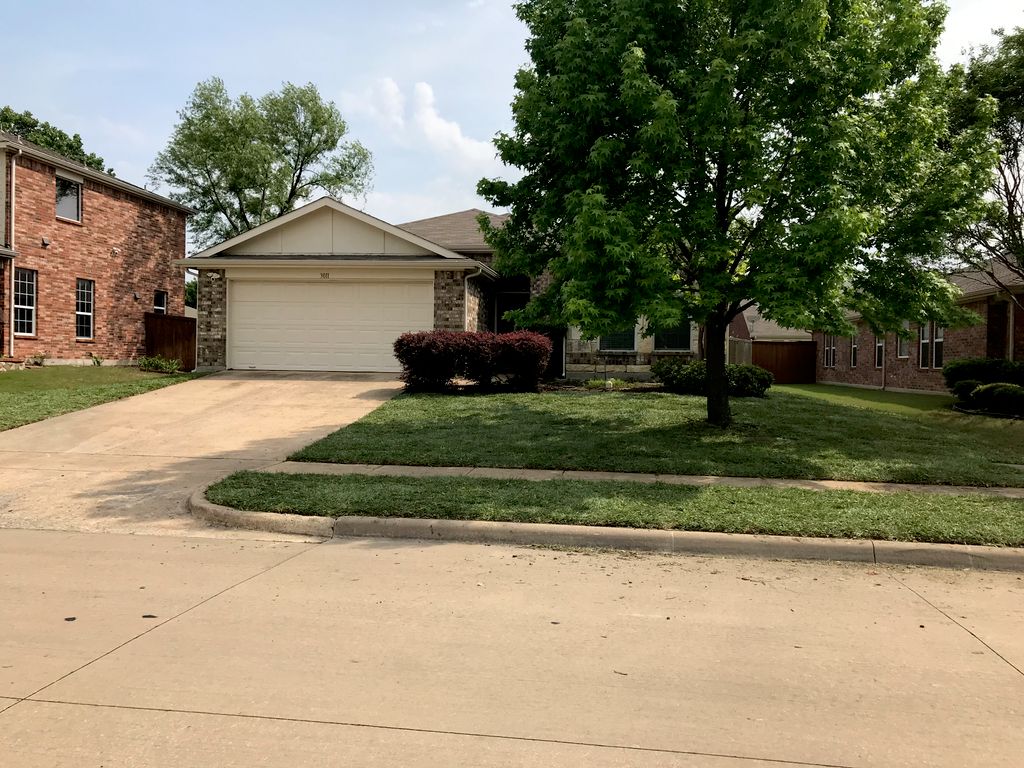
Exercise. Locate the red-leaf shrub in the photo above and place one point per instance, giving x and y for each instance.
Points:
(431, 359)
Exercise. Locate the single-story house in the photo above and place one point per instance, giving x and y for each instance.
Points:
(893, 362)
(83, 257)
(329, 287)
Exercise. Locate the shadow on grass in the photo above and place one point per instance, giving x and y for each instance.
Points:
(786, 435)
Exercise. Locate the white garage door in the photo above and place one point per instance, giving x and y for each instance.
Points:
(327, 326)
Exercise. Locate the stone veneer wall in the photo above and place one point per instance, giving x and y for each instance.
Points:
(449, 301)
(212, 325)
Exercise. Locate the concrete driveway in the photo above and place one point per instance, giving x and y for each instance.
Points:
(129, 466)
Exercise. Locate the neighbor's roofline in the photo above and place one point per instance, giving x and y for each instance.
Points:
(16, 144)
(328, 202)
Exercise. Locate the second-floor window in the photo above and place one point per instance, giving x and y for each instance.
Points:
(160, 302)
(69, 199)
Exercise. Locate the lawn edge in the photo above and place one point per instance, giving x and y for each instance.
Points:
(630, 539)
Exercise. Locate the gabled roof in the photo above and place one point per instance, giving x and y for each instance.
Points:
(13, 142)
(977, 282)
(335, 205)
(457, 231)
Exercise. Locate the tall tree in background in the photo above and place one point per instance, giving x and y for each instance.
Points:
(995, 244)
(241, 162)
(685, 159)
(49, 136)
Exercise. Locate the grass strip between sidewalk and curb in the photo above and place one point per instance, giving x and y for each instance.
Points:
(912, 517)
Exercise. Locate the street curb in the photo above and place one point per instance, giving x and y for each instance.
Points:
(630, 539)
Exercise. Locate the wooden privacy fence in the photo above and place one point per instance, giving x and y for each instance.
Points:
(792, 362)
(172, 337)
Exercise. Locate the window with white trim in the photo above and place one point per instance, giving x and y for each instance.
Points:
(25, 292)
(673, 339)
(160, 302)
(69, 199)
(85, 304)
(879, 351)
(903, 342)
(618, 341)
(924, 356)
(853, 351)
(937, 342)
(830, 351)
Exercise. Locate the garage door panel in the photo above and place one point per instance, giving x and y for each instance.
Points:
(323, 326)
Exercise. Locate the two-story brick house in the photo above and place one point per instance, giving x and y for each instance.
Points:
(83, 257)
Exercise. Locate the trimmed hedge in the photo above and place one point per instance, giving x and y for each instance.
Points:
(999, 398)
(984, 371)
(432, 359)
(963, 390)
(692, 378)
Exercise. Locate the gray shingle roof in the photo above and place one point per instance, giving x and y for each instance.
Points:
(457, 232)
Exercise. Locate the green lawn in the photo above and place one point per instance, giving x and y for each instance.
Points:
(792, 433)
(905, 403)
(39, 393)
(790, 512)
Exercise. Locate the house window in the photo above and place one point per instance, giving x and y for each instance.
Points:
(85, 302)
(25, 281)
(925, 342)
(937, 339)
(853, 351)
(903, 342)
(618, 341)
(677, 338)
(160, 302)
(69, 199)
(879, 351)
(830, 351)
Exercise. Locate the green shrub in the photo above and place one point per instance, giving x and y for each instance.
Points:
(963, 390)
(606, 383)
(158, 364)
(685, 378)
(999, 398)
(984, 370)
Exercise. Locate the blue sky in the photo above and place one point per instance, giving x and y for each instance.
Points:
(425, 85)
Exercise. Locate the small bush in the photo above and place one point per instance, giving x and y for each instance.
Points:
(984, 370)
(963, 390)
(158, 364)
(432, 359)
(607, 383)
(692, 378)
(999, 398)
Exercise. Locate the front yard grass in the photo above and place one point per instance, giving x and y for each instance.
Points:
(789, 434)
(789, 512)
(39, 393)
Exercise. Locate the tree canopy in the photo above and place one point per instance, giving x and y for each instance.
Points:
(995, 243)
(49, 136)
(682, 160)
(241, 162)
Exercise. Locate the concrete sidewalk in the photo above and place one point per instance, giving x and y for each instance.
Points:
(497, 473)
(204, 652)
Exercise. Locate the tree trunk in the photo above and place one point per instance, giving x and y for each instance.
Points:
(719, 412)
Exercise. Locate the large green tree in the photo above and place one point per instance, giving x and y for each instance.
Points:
(685, 159)
(241, 162)
(49, 136)
(995, 243)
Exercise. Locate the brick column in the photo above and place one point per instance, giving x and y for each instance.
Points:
(212, 325)
(449, 301)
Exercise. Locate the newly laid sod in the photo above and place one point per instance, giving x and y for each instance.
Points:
(902, 516)
(39, 393)
(788, 434)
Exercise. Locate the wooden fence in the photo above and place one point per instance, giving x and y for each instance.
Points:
(792, 362)
(172, 337)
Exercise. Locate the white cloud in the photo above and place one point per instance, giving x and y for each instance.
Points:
(382, 101)
(446, 136)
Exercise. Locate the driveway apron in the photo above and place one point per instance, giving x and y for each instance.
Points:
(130, 465)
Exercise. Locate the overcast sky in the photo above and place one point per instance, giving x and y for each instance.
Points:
(425, 84)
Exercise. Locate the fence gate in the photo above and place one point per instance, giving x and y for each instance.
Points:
(792, 362)
(172, 337)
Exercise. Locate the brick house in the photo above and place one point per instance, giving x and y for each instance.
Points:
(84, 257)
(915, 363)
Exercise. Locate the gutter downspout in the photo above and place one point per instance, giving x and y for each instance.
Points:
(1012, 328)
(14, 197)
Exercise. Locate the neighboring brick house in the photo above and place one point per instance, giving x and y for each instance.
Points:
(915, 364)
(84, 257)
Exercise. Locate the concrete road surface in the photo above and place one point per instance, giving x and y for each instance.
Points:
(169, 651)
(129, 466)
